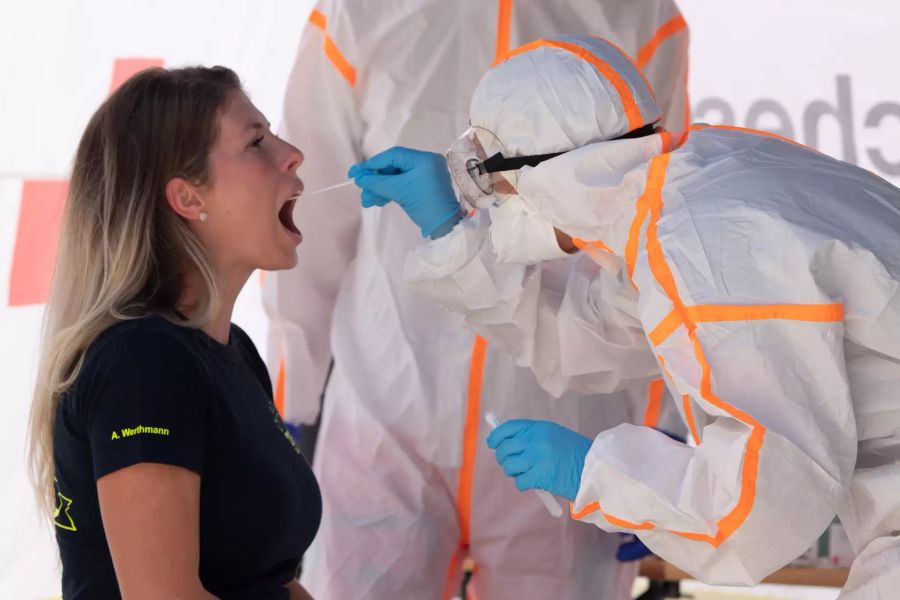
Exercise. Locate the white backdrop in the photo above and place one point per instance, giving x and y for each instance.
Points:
(816, 70)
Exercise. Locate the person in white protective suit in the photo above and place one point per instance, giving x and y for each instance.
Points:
(759, 276)
(409, 489)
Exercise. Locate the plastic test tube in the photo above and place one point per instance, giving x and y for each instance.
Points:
(546, 497)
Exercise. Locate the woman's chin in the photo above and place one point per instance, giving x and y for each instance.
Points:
(287, 261)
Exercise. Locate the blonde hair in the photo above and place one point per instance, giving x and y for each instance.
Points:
(123, 253)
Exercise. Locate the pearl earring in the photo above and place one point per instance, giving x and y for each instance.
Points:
(204, 216)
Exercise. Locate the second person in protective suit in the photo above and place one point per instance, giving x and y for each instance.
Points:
(410, 492)
(761, 278)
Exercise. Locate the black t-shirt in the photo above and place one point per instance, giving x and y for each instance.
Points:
(152, 391)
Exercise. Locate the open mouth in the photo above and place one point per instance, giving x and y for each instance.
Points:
(286, 214)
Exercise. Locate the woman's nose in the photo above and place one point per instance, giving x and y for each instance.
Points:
(294, 159)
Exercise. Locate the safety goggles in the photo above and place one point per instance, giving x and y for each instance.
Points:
(486, 175)
(482, 169)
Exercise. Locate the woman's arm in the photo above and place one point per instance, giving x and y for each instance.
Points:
(151, 516)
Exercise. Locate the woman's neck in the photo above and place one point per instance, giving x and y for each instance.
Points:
(219, 326)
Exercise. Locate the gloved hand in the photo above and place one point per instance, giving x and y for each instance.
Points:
(417, 181)
(541, 454)
(632, 549)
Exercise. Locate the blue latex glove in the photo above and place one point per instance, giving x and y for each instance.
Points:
(417, 181)
(632, 549)
(541, 454)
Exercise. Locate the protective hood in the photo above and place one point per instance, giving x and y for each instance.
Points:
(561, 93)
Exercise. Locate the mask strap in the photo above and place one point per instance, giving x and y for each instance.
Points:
(498, 162)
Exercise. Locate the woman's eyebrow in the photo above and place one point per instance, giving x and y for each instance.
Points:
(258, 125)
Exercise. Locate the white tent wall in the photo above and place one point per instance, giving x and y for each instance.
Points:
(810, 69)
(814, 70)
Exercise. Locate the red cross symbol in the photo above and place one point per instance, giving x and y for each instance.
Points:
(40, 217)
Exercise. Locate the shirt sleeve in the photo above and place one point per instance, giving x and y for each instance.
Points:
(770, 412)
(145, 400)
(545, 330)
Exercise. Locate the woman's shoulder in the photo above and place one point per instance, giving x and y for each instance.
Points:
(131, 357)
(145, 336)
(141, 349)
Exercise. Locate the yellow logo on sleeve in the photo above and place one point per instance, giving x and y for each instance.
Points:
(140, 429)
(61, 516)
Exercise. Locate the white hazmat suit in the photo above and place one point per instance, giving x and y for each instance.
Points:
(759, 276)
(408, 489)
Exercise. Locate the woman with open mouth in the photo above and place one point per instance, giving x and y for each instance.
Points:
(154, 439)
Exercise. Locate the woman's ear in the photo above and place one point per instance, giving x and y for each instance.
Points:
(184, 200)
